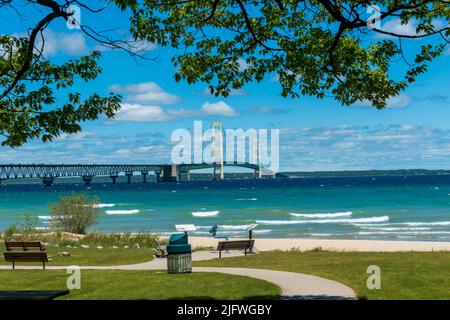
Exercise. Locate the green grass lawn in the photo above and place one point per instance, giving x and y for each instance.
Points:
(95, 257)
(409, 275)
(110, 284)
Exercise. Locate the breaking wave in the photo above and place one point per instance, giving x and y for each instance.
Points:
(113, 212)
(321, 215)
(202, 214)
(282, 222)
(104, 205)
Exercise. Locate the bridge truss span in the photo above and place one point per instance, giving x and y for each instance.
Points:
(163, 172)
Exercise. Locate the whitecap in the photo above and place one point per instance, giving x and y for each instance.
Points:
(234, 227)
(113, 212)
(429, 233)
(408, 223)
(247, 199)
(104, 205)
(202, 214)
(436, 223)
(321, 215)
(281, 222)
(395, 229)
(262, 231)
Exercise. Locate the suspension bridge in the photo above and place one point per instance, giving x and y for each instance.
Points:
(163, 172)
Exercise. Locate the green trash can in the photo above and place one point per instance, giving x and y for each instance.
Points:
(179, 254)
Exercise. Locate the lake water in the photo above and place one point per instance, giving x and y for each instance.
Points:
(384, 207)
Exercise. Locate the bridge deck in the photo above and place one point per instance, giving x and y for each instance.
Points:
(168, 172)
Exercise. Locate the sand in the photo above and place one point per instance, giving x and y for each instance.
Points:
(267, 244)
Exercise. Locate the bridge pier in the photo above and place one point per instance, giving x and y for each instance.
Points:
(129, 174)
(188, 173)
(158, 176)
(170, 173)
(114, 178)
(176, 172)
(87, 179)
(48, 181)
(144, 176)
(214, 172)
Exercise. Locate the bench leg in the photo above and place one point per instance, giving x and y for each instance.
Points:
(43, 265)
(245, 251)
(220, 254)
(14, 265)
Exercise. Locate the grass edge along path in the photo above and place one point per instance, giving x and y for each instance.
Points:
(92, 257)
(404, 275)
(124, 285)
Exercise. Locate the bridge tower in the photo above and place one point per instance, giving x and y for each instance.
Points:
(217, 133)
(257, 173)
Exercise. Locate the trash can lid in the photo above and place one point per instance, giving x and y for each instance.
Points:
(178, 238)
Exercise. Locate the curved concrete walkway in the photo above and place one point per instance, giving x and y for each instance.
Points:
(293, 285)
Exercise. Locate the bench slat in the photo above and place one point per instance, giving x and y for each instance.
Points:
(236, 244)
(25, 251)
(26, 256)
(24, 246)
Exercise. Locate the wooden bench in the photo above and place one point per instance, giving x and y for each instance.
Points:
(235, 245)
(25, 251)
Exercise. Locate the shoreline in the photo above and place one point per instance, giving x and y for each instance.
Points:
(297, 244)
(301, 244)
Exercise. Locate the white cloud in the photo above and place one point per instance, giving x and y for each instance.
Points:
(134, 46)
(408, 29)
(243, 65)
(146, 93)
(79, 136)
(144, 149)
(72, 44)
(398, 102)
(364, 147)
(123, 152)
(275, 78)
(306, 149)
(395, 26)
(142, 113)
(144, 101)
(146, 113)
(218, 109)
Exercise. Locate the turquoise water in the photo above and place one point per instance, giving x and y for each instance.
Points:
(404, 208)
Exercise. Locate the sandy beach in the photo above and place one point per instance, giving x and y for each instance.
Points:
(267, 244)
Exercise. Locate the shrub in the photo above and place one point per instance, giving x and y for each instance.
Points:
(24, 225)
(28, 224)
(10, 231)
(144, 239)
(73, 213)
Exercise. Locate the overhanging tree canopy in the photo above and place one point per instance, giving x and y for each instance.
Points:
(29, 82)
(316, 47)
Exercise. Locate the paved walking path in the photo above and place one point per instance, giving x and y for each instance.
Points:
(293, 285)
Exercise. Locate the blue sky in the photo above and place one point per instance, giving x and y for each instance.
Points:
(413, 132)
